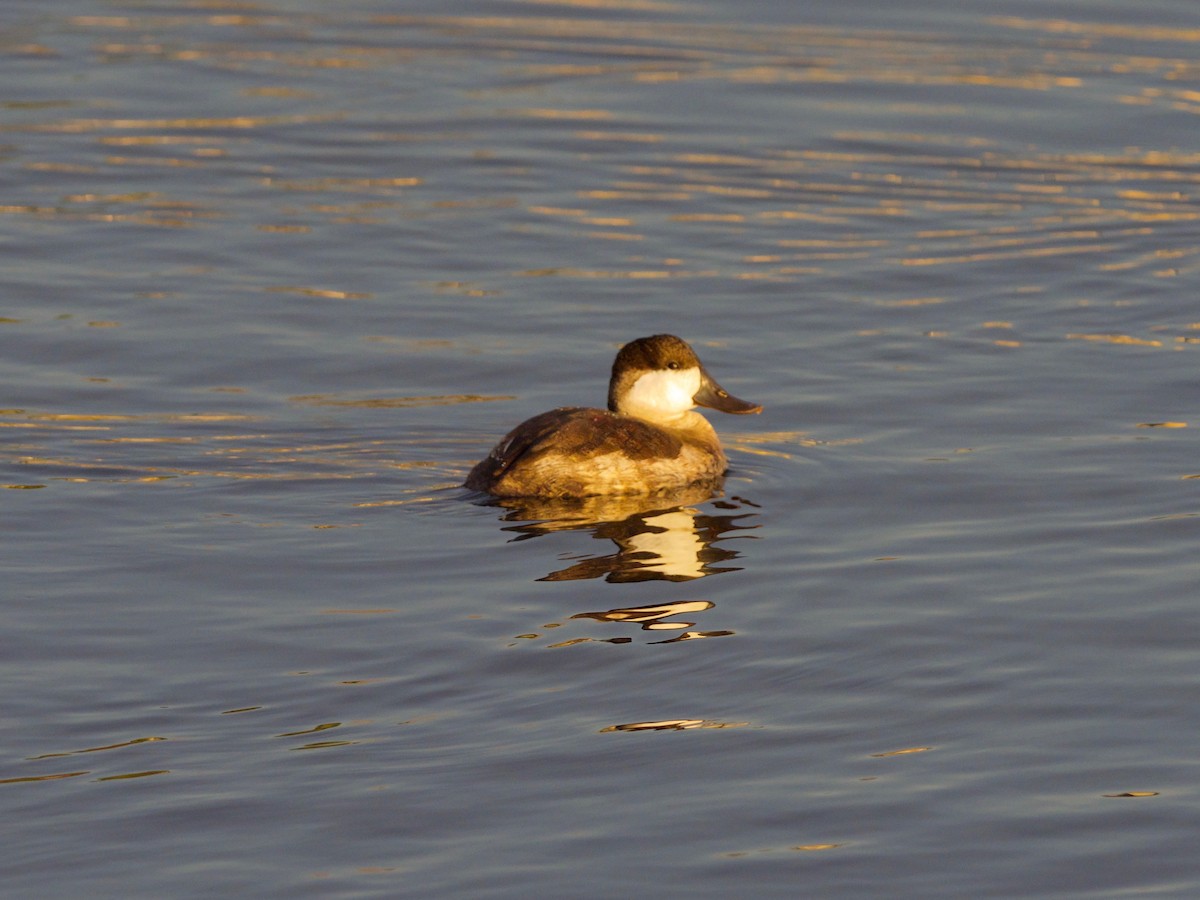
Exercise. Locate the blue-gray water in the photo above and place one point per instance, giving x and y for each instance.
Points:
(274, 275)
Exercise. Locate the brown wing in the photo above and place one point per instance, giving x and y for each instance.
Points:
(575, 431)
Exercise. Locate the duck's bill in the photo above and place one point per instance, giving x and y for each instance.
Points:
(713, 396)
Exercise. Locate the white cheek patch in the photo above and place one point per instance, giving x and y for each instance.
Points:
(665, 392)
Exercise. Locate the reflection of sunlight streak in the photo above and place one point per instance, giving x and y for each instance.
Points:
(864, 173)
(672, 725)
(54, 777)
(396, 402)
(123, 744)
(77, 448)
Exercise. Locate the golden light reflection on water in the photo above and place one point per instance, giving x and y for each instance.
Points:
(181, 448)
(120, 746)
(672, 725)
(1133, 794)
(398, 402)
(57, 776)
(1099, 29)
(905, 752)
(75, 126)
(798, 848)
(322, 293)
(1125, 339)
(1070, 205)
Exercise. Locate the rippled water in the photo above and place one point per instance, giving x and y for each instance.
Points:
(275, 275)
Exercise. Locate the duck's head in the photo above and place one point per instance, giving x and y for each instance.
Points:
(660, 378)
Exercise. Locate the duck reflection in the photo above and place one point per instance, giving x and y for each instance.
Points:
(656, 618)
(657, 538)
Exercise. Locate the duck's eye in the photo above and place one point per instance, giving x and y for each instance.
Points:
(672, 365)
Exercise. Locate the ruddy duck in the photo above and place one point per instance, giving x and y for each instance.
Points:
(646, 442)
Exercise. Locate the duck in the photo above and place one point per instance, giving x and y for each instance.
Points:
(648, 441)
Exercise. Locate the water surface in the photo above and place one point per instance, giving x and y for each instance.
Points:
(275, 277)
